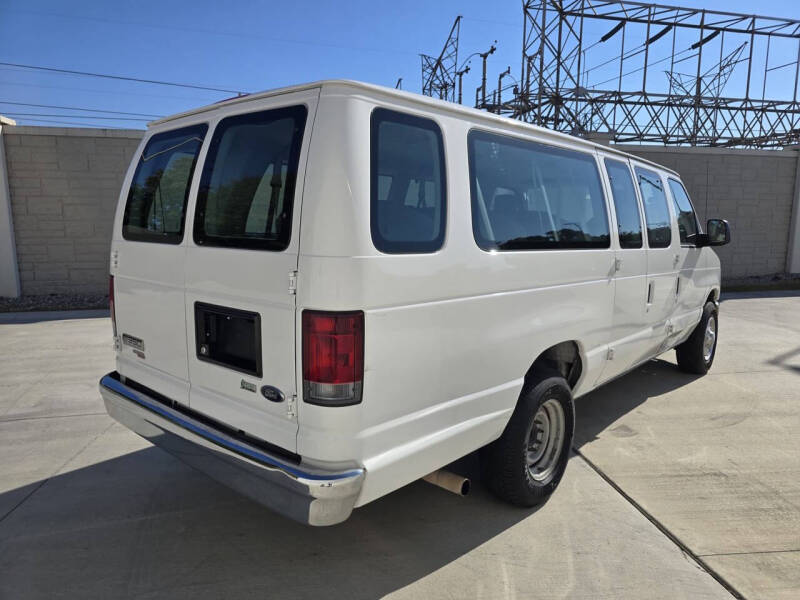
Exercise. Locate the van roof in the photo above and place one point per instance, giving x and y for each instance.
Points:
(413, 97)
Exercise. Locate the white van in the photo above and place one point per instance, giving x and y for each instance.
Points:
(322, 293)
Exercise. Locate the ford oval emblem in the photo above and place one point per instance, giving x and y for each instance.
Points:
(272, 393)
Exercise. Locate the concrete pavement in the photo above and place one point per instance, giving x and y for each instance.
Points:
(715, 459)
(674, 467)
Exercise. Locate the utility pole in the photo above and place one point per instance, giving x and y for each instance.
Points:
(461, 74)
(484, 56)
(500, 87)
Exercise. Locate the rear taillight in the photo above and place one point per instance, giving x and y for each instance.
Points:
(333, 357)
(111, 305)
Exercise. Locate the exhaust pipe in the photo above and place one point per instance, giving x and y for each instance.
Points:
(449, 481)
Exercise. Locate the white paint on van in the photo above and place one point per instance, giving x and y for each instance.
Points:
(449, 335)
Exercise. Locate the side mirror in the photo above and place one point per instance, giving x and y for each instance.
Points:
(718, 233)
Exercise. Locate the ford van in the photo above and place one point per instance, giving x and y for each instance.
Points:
(322, 293)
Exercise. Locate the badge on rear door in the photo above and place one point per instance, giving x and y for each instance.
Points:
(246, 385)
(272, 393)
(133, 342)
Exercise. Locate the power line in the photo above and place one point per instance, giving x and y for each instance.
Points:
(121, 78)
(92, 125)
(21, 114)
(96, 110)
(96, 91)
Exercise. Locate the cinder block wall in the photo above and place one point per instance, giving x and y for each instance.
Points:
(64, 184)
(752, 189)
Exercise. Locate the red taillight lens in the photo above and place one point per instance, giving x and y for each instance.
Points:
(111, 305)
(333, 357)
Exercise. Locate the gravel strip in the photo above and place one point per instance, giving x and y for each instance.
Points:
(54, 302)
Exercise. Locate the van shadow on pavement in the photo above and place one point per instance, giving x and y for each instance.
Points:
(601, 408)
(143, 524)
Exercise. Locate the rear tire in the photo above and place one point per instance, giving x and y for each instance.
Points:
(525, 465)
(696, 354)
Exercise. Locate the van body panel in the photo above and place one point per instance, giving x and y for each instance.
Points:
(449, 335)
(631, 336)
(692, 289)
(661, 269)
(256, 281)
(148, 296)
(479, 317)
(148, 290)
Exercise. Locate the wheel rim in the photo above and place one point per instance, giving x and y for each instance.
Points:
(709, 338)
(545, 440)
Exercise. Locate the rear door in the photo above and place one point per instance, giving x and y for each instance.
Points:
(240, 311)
(148, 257)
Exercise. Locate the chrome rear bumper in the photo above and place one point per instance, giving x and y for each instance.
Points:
(299, 492)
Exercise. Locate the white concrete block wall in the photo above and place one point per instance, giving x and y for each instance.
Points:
(64, 184)
(753, 189)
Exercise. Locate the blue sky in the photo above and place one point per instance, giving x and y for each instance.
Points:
(260, 45)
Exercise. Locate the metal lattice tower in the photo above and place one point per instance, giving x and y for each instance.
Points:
(559, 89)
(439, 74)
(712, 82)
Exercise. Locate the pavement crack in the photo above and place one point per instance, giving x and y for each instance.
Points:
(744, 553)
(21, 502)
(56, 472)
(687, 552)
(12, 419)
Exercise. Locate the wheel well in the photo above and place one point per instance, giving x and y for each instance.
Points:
(713, 296)
(563, 357)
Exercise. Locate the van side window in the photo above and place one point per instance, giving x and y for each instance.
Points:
(156, 206)
(246, 191)
(656, 211)
(626, 205)
(687, 221)
(407, 204)
(529, 196)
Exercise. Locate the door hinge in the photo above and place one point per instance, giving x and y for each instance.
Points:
(292, 283)
(617, 264)
(114, 259)
(610, 354)
(291, 406)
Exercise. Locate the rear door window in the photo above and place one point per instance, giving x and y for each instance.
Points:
(656, 210)
(626, 205)
(530, 196)
(407, 205)
(246, 195)
(687, 221)
(156, 207)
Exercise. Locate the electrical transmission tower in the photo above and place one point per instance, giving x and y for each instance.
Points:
(709, 83)
(568, 83)
(439, 74)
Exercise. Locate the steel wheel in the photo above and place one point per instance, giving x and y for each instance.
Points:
(709, 338)
(545, 440)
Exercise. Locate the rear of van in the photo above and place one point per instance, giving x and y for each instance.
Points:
(203, 277)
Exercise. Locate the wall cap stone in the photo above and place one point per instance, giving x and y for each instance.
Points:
(644, 148)
(96, 132)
